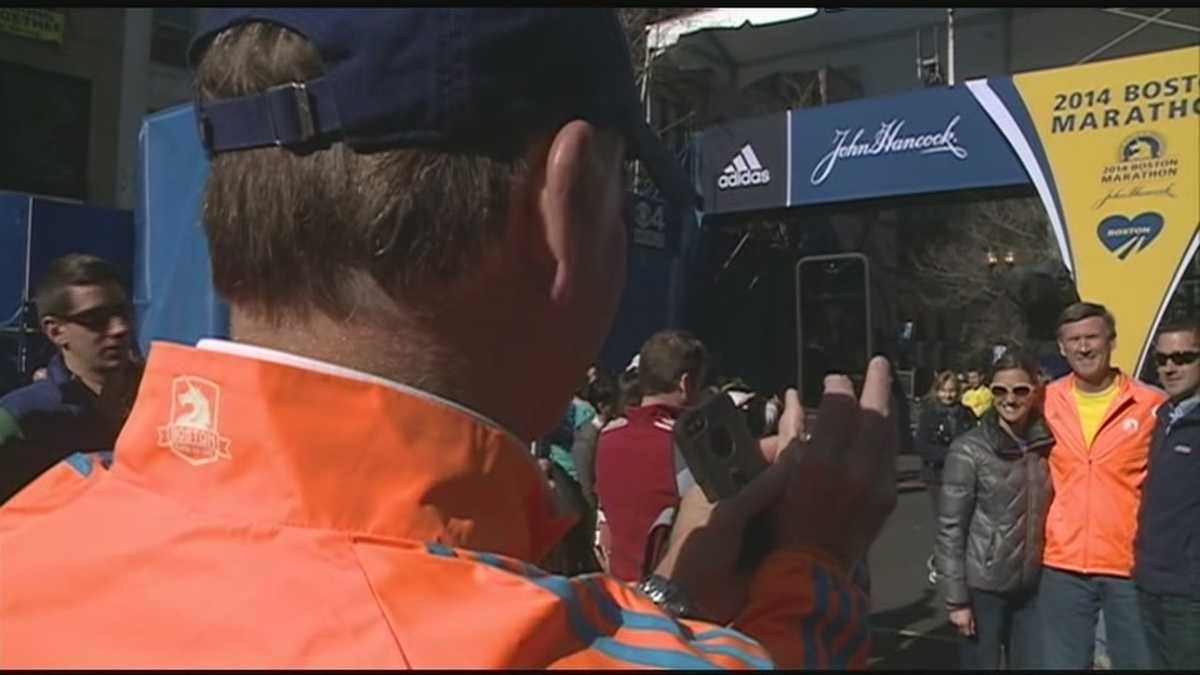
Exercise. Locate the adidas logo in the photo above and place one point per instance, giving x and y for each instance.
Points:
(745, 170)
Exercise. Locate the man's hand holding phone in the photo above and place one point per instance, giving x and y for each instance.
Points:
(842, 486)
(828, 493)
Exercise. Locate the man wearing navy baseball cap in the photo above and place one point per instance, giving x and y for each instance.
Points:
(416, 215)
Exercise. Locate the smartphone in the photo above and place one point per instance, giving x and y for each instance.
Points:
(723, 456)
(833, 322)
(835, 333)
(718, 447)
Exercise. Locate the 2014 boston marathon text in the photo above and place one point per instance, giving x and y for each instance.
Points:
(1139, 102)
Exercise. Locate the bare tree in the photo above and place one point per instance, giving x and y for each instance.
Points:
(974, 268)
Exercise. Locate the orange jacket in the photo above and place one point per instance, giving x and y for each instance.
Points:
(264, 512)
(1097, 490)
(59, 485)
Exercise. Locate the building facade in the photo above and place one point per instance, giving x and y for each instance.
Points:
(75, 83)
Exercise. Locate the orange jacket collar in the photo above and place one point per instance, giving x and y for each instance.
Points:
(1060, 395)
(273, 444)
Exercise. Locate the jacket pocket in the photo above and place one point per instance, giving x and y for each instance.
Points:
(989, 555)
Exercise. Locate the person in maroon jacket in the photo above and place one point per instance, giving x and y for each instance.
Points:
(636, 467)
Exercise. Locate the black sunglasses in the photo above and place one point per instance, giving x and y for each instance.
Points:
(1021, 391)
(1178, 358)
(98, 318)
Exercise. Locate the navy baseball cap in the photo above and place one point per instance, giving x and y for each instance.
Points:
(452, 79)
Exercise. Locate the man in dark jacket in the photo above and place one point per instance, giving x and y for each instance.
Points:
(1167, 548)
(84, 311)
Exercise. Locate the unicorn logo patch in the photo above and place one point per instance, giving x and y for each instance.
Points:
(192, 432)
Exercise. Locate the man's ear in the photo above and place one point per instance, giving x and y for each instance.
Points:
(53, 330)
(686, 384)
(572, 191)
(1062, 348)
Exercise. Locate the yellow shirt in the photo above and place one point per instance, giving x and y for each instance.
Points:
(978, 400)
(1092, 408)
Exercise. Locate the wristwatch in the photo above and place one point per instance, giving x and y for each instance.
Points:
(668, 595)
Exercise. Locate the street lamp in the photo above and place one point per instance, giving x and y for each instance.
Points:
(1009, 259)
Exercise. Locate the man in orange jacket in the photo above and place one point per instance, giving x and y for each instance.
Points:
(416, 217)
(1102, 421)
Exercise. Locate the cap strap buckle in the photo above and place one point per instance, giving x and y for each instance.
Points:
(290, 110)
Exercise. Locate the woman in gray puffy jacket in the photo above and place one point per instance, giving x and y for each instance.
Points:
(995, 495)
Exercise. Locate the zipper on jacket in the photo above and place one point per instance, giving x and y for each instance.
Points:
(1030, 477)
(1087, 519)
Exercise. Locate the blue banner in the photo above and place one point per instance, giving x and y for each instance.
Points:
(173, 289)
(927, 141)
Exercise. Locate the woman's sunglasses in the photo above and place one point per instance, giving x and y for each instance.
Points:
(1021, 391)
(1178, 358)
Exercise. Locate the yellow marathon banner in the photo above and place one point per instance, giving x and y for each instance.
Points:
(1113, 149)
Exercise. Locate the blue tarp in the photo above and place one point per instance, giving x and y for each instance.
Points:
(35, 230)
(173, 281)
(14, 224)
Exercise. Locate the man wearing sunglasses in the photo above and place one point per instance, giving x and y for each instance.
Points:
(1102, 421)
(1167, 551)
(86, 315)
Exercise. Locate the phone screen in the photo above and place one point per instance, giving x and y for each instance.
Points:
(833, 321)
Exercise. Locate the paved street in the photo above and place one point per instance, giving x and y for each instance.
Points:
(911, 631)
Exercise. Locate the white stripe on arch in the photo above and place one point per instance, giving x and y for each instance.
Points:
(1008, 126)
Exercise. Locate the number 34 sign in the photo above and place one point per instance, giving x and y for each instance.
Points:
(652, 222)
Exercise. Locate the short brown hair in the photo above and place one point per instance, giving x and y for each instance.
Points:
(293, 232)
(76, 269)
(1186, 324)
(666, 357)
(1086, 310)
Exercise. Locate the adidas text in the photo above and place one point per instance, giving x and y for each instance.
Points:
(745, 170)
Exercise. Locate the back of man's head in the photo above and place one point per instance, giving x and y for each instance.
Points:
(392, 191)
(53, 295)
(291, 232)
(666, 357)
(358, 145)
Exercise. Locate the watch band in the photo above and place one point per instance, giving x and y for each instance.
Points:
(669, 596)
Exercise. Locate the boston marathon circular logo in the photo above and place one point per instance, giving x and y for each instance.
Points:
(1142, 146)
(1141, 158)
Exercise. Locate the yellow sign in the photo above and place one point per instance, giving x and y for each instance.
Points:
(39, 24)
(1122, 146)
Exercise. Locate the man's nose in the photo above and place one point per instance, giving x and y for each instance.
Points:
(118, 326)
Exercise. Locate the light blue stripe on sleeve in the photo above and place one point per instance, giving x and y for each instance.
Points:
(626, 618)
(81, 462)
(838, 659)
(590, 635)
(440, 550)
(808, 629)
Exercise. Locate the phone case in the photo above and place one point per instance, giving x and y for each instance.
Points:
(718, 448)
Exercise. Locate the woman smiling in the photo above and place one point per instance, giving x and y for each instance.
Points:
(995, 495)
